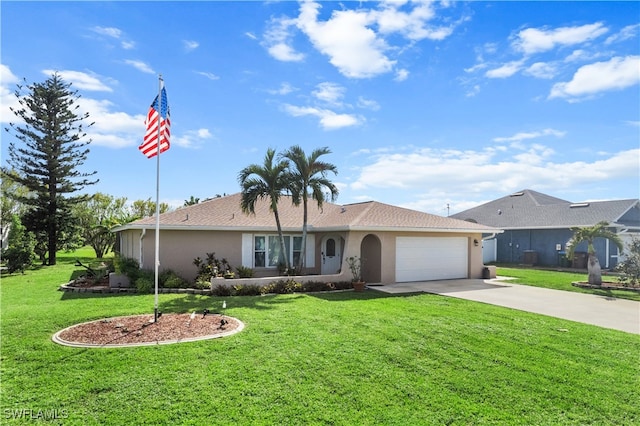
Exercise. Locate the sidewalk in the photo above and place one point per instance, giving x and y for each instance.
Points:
(617, 314)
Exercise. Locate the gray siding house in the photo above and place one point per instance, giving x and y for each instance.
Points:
(537, 227)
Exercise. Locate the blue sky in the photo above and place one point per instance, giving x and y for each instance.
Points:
(423, 105)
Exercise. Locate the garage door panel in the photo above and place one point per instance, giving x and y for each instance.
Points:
(431, 258)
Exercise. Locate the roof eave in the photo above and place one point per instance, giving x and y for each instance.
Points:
(310, 229)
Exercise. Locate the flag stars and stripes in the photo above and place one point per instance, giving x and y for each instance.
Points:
(159, 115)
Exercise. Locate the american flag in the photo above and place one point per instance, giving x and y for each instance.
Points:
(158, 116)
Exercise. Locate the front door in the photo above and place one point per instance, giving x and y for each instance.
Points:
(330, 255)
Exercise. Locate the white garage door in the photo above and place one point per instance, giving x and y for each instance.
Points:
(431, 258)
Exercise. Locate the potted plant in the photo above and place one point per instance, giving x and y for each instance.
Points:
(355, 265)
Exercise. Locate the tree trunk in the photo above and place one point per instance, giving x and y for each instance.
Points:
(52, 238)
(283, 247)
(303, 248)
(593, 267)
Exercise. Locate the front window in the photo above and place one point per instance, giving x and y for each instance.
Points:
(266, 251)
(297, 250)
(260, 251)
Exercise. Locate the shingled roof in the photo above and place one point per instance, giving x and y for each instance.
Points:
(529, 209)
(224, 213)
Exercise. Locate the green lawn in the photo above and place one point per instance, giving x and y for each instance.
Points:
(561, 281)
(329, 359)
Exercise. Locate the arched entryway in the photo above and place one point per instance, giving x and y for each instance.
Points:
(371, 255)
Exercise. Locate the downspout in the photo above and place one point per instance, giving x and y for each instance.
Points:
(607, 249)
(142, 234)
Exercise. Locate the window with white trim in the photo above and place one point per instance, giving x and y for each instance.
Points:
(266, 250)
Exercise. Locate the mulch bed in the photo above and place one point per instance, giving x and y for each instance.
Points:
(142, 330)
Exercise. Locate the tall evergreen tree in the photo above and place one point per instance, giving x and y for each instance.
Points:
(53, 147)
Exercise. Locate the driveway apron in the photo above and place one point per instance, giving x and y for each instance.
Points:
(602, 311)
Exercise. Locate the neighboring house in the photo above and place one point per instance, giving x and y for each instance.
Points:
(396, 244)
(537, 227)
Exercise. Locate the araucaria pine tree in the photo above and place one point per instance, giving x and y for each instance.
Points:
(53, 147)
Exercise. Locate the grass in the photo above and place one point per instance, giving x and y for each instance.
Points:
(561, 281)
(327, 359)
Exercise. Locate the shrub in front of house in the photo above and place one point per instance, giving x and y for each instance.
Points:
(169, 279)
(145, 283)
(127, 266)
(244, 272)
(315, 286)
(201, 285)
(222, 290)
(282, 287)
(247, 290)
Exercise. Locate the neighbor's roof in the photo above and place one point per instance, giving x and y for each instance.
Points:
(529, 209)
(224, 213)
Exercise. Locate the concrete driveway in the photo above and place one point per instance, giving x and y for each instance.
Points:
(602, 311)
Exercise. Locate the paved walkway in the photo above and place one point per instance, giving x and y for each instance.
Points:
(602, 311)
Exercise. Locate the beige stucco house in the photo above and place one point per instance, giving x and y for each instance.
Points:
(396, 244)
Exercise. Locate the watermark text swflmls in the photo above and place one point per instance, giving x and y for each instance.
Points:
(35, 414)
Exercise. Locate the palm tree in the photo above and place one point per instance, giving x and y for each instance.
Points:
(267, 181)
(589, 234)
(309, 179)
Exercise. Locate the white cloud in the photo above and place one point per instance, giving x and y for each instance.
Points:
(251, 35)
(368, 104)
(284, 52)
(192, 138)
(627, 33)
(277, 40)
(115, 33)
(190, 45)
(7, 96)
(518, 137)
(6, 76)
(615, 74)
(330, 93)
(114, 129)
(541, 70)
(473, 91)
(80, 80)
(413, 24)
(356, 40)
(506, 70)
(108, 31)
(328, 119)
(284, 89)
(534, 40)
(401, 75)
(209, 75)
(347, 39)
(473, 173)
(140, 66)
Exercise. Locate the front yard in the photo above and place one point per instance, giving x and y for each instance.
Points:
(333, 358)
(562, 281)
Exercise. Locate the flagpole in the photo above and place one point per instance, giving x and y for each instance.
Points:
(157, 252)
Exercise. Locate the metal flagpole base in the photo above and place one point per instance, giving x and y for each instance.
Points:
(155, 314)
